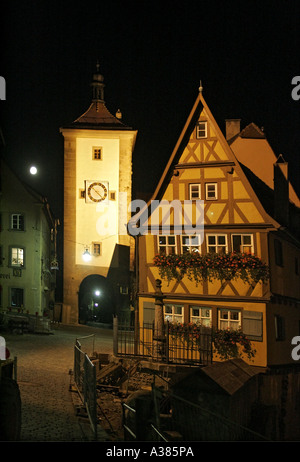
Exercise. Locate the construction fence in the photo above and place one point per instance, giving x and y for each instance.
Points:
(85, 379)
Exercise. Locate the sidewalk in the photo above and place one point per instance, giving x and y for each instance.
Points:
(44, 362)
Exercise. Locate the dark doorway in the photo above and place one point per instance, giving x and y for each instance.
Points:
(95, 300)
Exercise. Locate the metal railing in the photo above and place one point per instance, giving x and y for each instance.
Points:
(85, 382)
(140, 341)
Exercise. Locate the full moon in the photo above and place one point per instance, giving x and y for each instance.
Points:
(33, 170)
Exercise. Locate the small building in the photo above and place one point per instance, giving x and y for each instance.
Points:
(28, 261)
(219, 400)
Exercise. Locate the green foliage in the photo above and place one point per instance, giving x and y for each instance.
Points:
(198, 268)
(227, 343)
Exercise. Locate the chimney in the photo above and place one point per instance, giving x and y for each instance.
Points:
(281, 191)
(233, 127)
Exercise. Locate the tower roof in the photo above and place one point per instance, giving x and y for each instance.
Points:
(97, 116)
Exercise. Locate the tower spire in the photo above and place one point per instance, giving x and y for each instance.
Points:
(98, 85)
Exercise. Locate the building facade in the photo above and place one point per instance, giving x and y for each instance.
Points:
(249, 223)
(27, 248)
(98, 252)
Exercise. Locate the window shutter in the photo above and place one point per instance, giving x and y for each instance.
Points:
(253, 325)
(149, 312)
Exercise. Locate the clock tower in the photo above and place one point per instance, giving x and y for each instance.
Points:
(98, 252)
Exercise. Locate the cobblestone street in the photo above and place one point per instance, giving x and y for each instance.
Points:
(44, 362)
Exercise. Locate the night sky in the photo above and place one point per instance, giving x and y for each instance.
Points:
(152, 55)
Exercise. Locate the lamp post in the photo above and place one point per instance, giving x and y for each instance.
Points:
(159, 338)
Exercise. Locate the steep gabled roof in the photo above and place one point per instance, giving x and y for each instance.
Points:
(199, 105)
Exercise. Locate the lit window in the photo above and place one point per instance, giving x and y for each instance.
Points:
(200, 315)
(17, 256)
(202, 130)
(242, 243)
(216, 243)
(16, 297)
(97, 153)
(211, 191)
(167, 244)
(17, 221)
(229, 319)
(190, 243)
(195, 191)
(173, 313)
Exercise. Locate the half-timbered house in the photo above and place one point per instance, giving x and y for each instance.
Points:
(240, 222)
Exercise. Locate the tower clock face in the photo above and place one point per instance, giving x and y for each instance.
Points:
(96, 191)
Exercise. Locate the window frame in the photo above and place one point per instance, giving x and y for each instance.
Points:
(20, 225)
(97, 155)
(96, 253)
(18, 248)
(215, 198)
(172, 314)
(11, 297)
(243, 245)
(191, 245)
(167, 246)
(230, 321)
(217, 235)
(190, 191)
(200, 317)
(201, 130)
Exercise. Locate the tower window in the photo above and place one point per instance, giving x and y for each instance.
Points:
(201, 130)
(96, 249)
(97, 153)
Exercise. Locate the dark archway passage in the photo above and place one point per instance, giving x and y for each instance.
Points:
(95, 300)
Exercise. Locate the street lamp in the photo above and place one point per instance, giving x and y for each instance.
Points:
(86, 256)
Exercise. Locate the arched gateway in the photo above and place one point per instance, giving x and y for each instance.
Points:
(95, 300)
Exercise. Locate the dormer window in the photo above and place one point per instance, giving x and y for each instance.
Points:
(201, 130)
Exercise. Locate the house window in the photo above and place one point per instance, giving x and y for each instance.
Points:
(229, 319)
(167, 244)
(97, 153)
(200, 315)
(190, 243)
(278, 252)
(17, 222)
(279, 328)
(195, 191)
(173, 313)
(201, 130)
(216, 243)
(17, 256)
(242, 243)
(96, 249)
(16, 297)
(211, 191)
